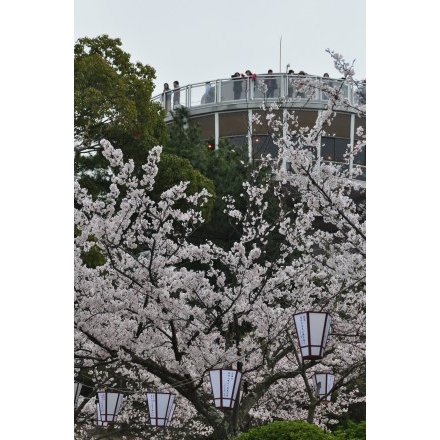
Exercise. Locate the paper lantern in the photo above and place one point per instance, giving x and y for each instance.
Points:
(323, 384)
(161, 408)
(312, 329)
(109, 405)
(225, 385)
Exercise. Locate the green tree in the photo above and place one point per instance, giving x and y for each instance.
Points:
(113, 102)
(184, 136)
(173, 170)
(227, 166)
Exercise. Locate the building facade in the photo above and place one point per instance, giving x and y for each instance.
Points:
(224, 109)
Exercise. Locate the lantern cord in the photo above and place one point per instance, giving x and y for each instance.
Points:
(175, 385)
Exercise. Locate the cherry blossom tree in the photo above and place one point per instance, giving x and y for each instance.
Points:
(159, 310)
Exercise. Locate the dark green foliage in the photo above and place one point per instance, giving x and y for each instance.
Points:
(113, 102)
(356, 411)
(227, 166)
(113, 96)
(351, 431)
(300, 430)
(173, 170)
(93, 258)
(286, 430)
(183, 136)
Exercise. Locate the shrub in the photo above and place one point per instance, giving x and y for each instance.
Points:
(286, 430)
(352, 431)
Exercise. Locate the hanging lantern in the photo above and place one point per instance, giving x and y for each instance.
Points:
(77, 392)
(99, 421)
(109, 405)
(323, 384)
(312, 329)
(161, 408)
(225, 385)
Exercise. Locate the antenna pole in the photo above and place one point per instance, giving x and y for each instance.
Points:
(280, 53)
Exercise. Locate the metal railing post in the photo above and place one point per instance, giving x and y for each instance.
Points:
(216, 129)
(350, 163)
(218, 93)
(250, 134)
(188, 95)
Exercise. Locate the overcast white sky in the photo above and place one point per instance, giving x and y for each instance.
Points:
(198, 40)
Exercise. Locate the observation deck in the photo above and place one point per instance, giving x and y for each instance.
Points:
(224, 109)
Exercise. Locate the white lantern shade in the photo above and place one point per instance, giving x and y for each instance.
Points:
(225, 385)
(323, 384)
(109, 405)
(161, 408)
(77, 392)
(312, 329)
(99, 422)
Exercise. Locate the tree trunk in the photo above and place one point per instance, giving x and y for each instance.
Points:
(311, 413)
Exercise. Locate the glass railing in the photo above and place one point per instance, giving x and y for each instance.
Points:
(264, 87)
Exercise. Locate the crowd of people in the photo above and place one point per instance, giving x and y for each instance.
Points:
(239, 85)
(238, 77)
(269, 81)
